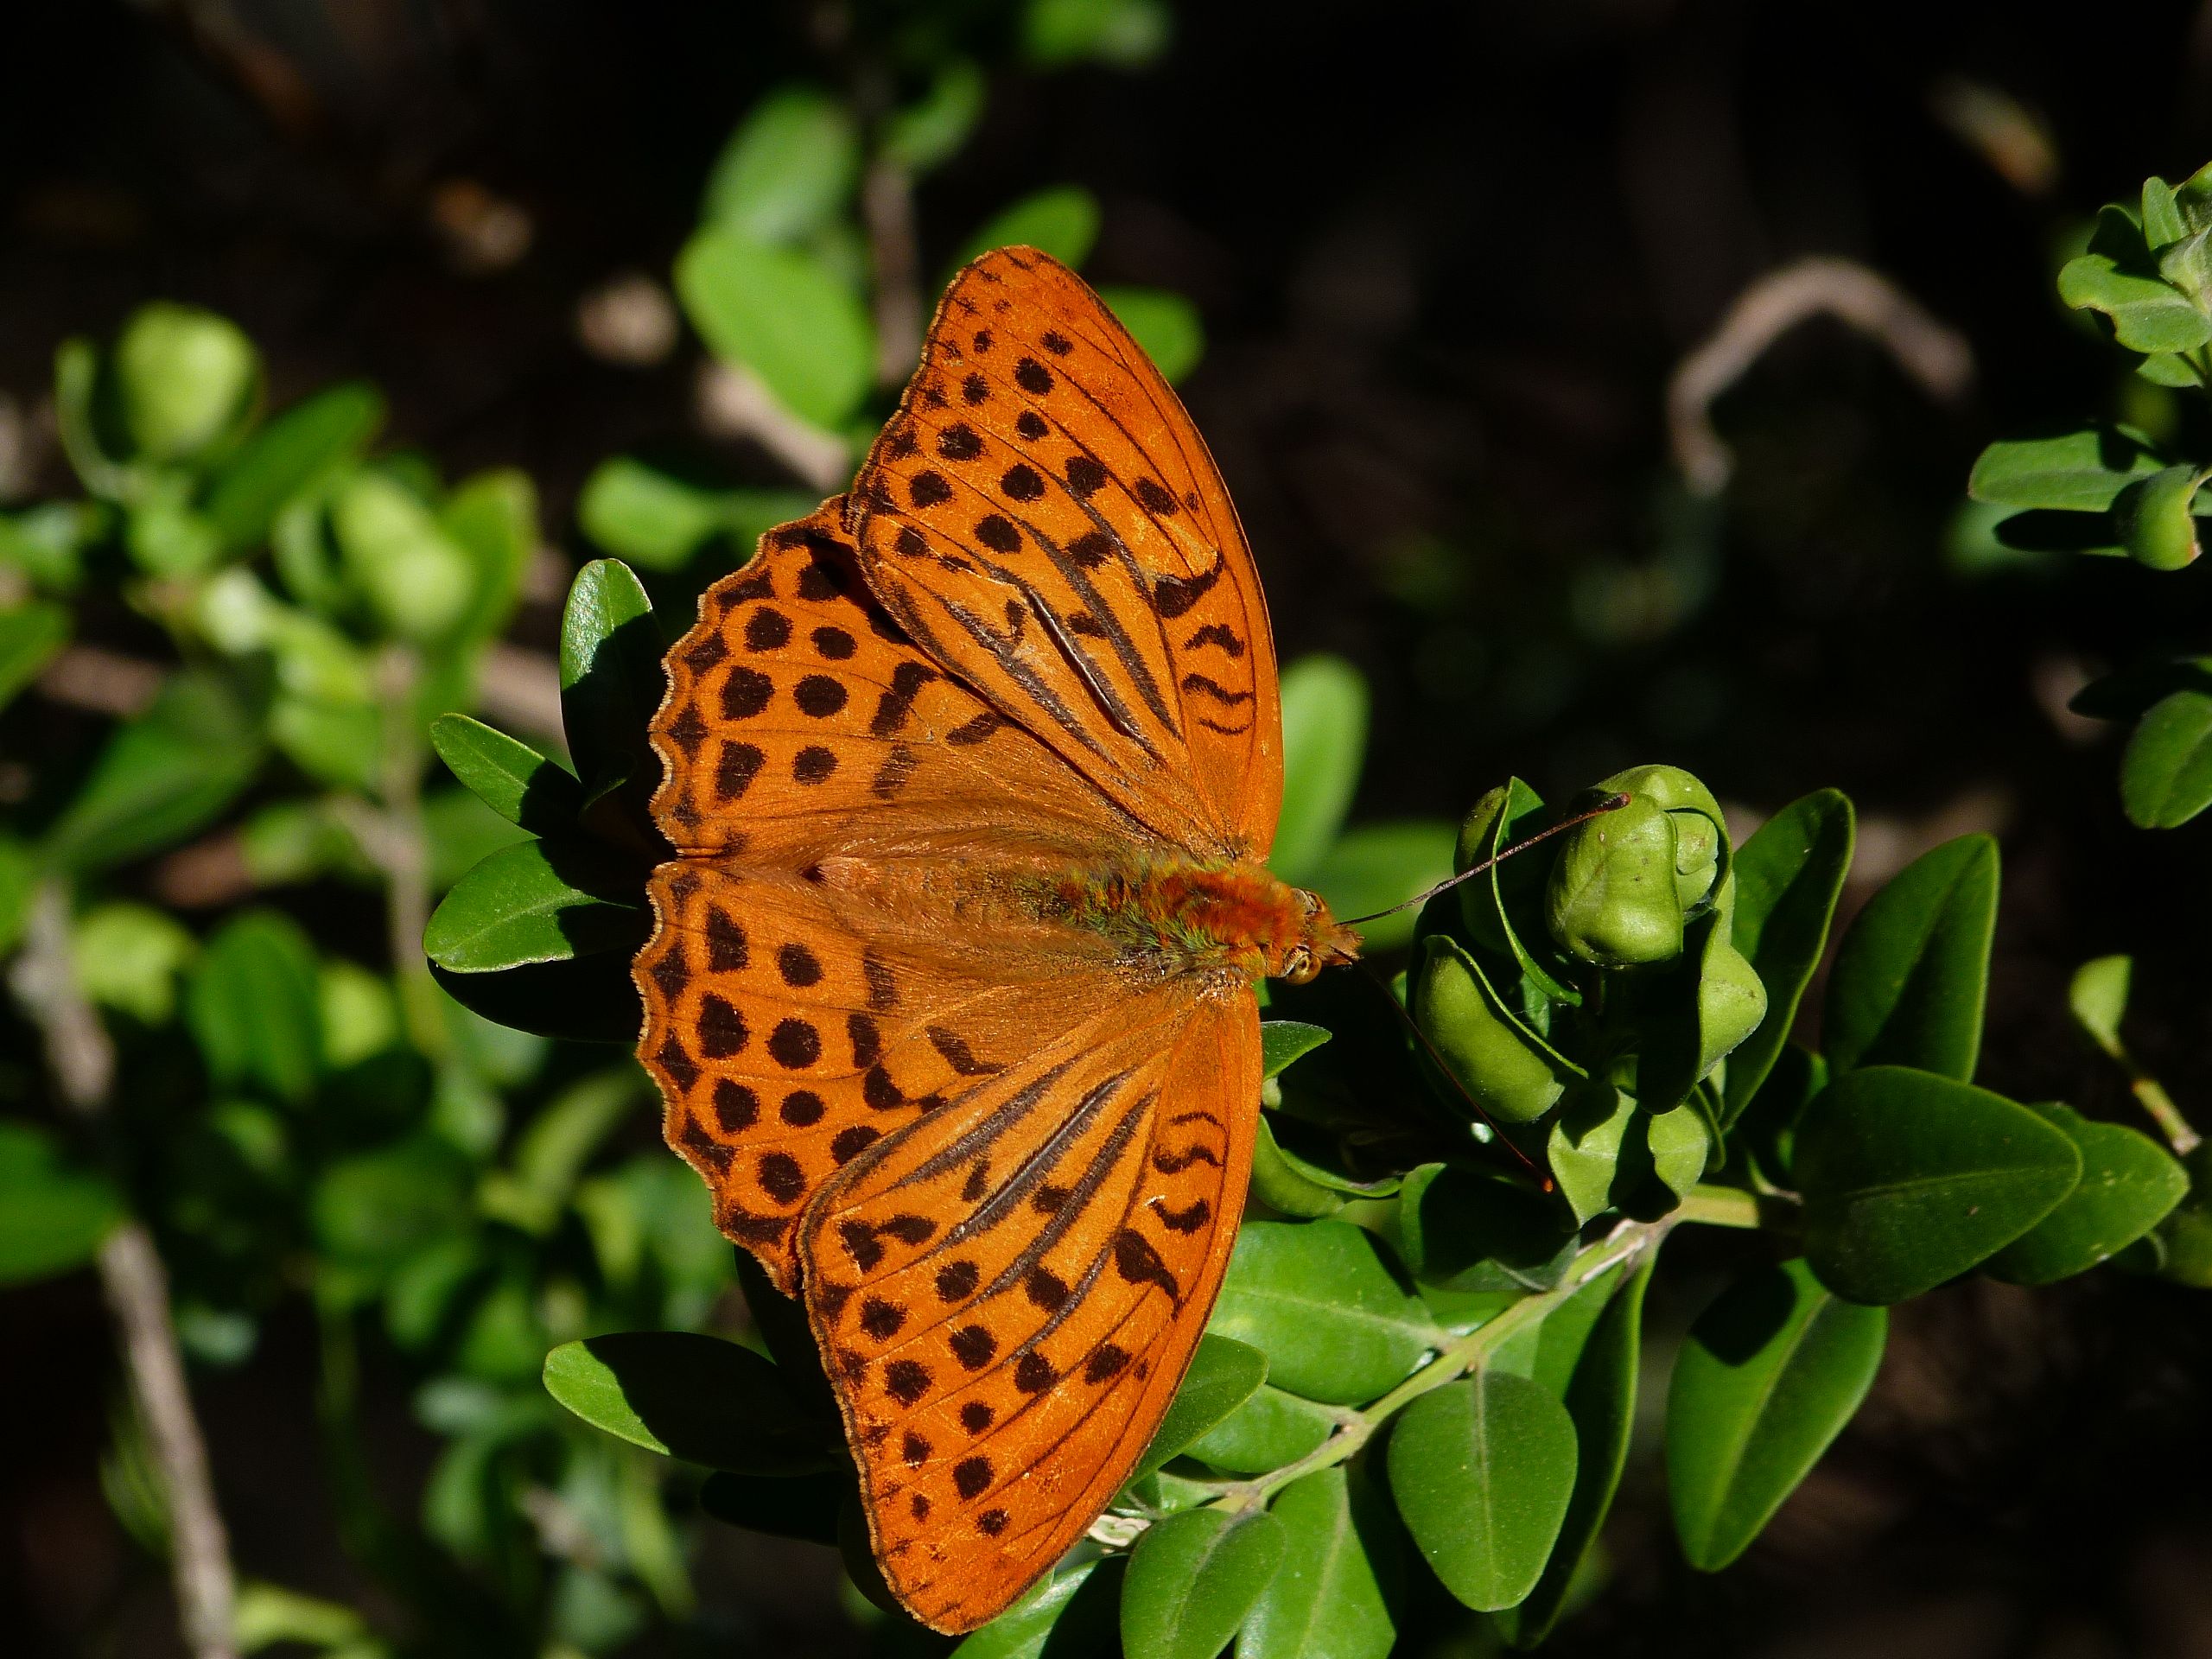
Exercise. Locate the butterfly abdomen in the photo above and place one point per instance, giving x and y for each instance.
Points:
(1201, 917)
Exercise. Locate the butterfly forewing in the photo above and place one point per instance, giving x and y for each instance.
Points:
(1006, 1303)
(1042, 515)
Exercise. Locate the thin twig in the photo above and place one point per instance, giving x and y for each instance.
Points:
(520, 688)
(82, 1059)
(734, 401)
(105, 681)
(1935, 356)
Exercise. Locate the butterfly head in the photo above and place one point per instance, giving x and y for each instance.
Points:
(1322, 941)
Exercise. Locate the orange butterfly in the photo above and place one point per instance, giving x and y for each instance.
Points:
(971, 776)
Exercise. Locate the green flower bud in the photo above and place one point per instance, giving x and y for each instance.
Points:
(1500, 1065)
(184, 378)
(416, 579)
(1516, 877)
(1611, 898)
(1731, 1002)
(1697, 855)
(1673, 788)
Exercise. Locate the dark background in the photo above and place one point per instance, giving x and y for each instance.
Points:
(1447, 257)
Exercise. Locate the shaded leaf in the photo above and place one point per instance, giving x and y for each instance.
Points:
(1464, 1231)
(537, 901)
(30, 634)
(288, 457)
(160, 777)
(1789, 875)
(1283, 1041)
(1224, 1374)
(611, 679)
(1913, 970)
(2082, 472)
(53, 1218)
(1269, 1430)
(254, 1006)
(806, 1508)
(2165, 776)
(589, 999)
(1073, 1613)
(507, 775)
(694, 1397)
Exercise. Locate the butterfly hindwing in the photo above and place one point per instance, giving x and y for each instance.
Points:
(1042, 515)
(1006, 1295)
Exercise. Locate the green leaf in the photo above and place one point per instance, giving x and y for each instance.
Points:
(1332, 1595)
(289, 457)
(254, 1004)
(2129, 1183)
(52, 1218)
(2098, 997)
(589, 1000)
(1910, 1179)
(930, 131)
(1374, 866)
(375, 1209)
(160, 777)
(1271, 1429)
(611, 681)
(1507, 1070)
(1788, 876)
(2126, 694)
(1320, 1302)
(1073, 1613)
(1057, 33)
(1283, 1041)
(1324, 742)
(1583, 1146)
(785, 314)
(1769, 1376)
(2147, 315)
(645, 515)
(689, 1397)
(805, 1507)
(1283, 1186)
(1459, 1230)
(537, 901)
(1062, 221)
(2152, 518)
(1599, 1393)
(2165, 776)
(1913, 970)
(1483, 1470)
(788, 171)
(185, 381)
(1194, 1578)
(1710, 1001)
(507, 775)
(414, 577)
(1222, 1376)
(492, 519)
(2083, 471)
(1166, 325)
(30, 634)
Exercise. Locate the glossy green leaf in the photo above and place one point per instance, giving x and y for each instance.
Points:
(1583, 1146)
(1373, 867)
(1332, 1595)
(785, 314)
(1910, 1179)
(2098, 997)
(1459, 1230)
(1166, 325)
(2082, 472)
(1282, 1186)
(1283, 1041)
(51, 1217)
(1713, 1001)
(2147, 315)
(788, 171)
(1074, 1612)
(1193, 1578)
(1483, 1470)
(508, 776)
(1320, 1300)
(1062, 221)
(1789, 875)
(805, 1507)
(1323, 742)
(30, 634)
(2153, 521)
(2165, 776)
(1913, 970)
(493, 517)
(645, 515)
(2129, 1183)
(254, 1006)
(160, 777)
(1769, 1376)
(288, 457)
(1269, 1430)
(694, 1397)
(930, 131)
(1599, 1393)
(1224, 1374)
(611, 679)
(537, 901)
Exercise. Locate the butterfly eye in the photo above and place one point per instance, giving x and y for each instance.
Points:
(1298, 964)
(1309, 902)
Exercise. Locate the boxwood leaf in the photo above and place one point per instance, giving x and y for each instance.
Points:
(1271, 1429)
(288, 456)
(2147, 315)
(785, 314)
(1789, 875)
(2082, 472)
(51, 1217)
(1482, 1470)
(1464, 1231)
(1320, 1300)
(2165, 776)
(1224, 1374)
(537, 901)
(589, 999)
(694, 1397)
(1283, 1041)
(2098, 998)
(1332, 1595)
(2128, 1184)
(611, 678)
(1193, 1578)
(1073, 1613)
(254, 1005)
(1285, 1188)
(30, 634)
(1062, 221)
(163, 775)
(507, 775)
(1166, 325)
(1324, 711)
(788, 171)
(1599, 1393)
(1769, 1376)
(2153, 516)
(1910, 1179)
(1913, 970)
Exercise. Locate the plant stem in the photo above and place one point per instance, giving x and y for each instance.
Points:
(1623, 1245)
(82, 1058)
(1710, 1205)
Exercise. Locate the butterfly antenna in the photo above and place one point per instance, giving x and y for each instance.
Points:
(1543, 1177)
(1611, 804)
